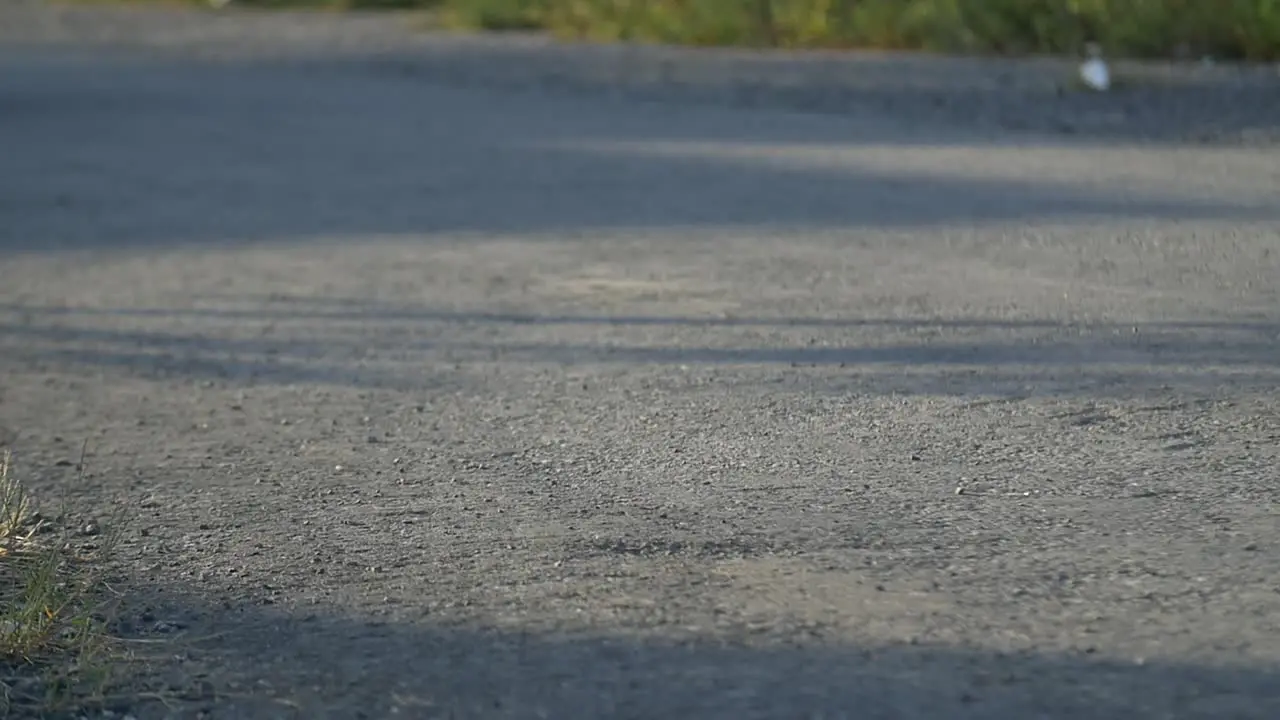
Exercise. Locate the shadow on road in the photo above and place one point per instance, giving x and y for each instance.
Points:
(159, 153)
(377, 345)
(317, 664)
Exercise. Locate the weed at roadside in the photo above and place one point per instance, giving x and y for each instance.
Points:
(1247, 29)
(55, 606)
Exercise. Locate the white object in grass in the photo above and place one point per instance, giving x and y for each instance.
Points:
(1094, 71)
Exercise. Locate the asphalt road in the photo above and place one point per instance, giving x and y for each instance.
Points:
(437, 397)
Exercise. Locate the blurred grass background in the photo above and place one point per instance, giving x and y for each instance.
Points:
(1228, 29)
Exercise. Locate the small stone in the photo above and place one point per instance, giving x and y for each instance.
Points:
(337, 468)
(959, 490)
(165, 626)
(90, 529)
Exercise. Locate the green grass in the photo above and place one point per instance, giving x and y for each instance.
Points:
(1228, 29)
(336, 5)
(1138, 28)
(55, 653)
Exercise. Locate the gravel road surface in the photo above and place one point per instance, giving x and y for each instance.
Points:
(484, 378)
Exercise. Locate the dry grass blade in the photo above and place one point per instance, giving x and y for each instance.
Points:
(54, 653)
(18, 521)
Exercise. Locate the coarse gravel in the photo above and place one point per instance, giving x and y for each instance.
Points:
(484, 377)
